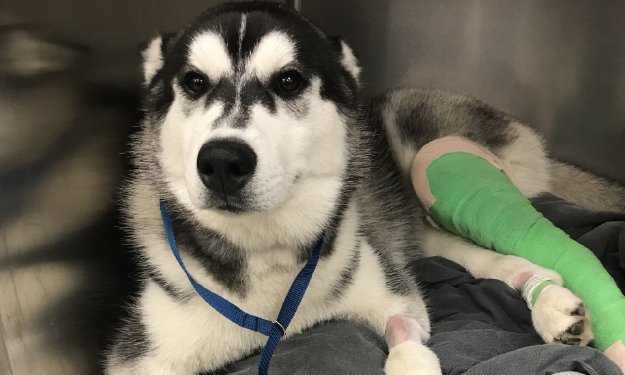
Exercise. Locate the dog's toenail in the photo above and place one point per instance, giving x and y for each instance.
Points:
(571, 341)
(581, 311)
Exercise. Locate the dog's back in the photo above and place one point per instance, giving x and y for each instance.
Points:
(413, 117)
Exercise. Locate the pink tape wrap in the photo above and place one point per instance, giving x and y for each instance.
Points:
(434, 150)
(616, 352)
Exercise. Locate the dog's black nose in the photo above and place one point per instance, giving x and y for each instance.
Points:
(225, 166)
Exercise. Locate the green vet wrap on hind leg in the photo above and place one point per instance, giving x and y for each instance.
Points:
(471, 197)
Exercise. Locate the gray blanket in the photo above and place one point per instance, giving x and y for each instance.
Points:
(479, 327)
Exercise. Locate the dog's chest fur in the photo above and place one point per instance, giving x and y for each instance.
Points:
(350, 278)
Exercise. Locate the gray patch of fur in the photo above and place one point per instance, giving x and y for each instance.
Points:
(586, 189)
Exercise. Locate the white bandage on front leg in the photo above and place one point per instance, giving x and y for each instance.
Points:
(407, 353)
(532, 288)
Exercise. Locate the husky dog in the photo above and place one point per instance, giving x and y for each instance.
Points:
(255, 136)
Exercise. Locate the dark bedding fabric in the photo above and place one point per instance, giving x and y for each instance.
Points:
(479, 327)
(601, 232)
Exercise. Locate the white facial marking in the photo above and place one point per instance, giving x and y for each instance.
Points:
(274, 51)
(152, 59)
(208, 52)
(182, 136)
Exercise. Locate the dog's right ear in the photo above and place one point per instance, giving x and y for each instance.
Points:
(348, 58)
(152, 52)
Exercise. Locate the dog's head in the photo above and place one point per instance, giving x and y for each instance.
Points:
(247, 106)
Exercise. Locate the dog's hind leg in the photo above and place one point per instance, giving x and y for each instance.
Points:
(558, 315)
(407, 353)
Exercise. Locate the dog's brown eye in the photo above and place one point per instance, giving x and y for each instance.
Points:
(195, 83)
(289, 83)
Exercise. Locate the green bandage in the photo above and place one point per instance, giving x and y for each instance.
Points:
(475, 200)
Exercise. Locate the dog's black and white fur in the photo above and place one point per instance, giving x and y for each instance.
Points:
(259, 82)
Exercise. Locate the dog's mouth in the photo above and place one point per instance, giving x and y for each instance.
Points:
(232, 208)
(229, 203)
(245, 201)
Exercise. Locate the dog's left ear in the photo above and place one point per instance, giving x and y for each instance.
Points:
(348, 58)
(152, 53)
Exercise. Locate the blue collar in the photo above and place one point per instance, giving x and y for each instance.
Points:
(273, 329)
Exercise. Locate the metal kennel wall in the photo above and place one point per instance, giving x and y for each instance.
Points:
(558, 65)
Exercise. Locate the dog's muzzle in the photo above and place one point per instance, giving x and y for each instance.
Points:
(225, 166)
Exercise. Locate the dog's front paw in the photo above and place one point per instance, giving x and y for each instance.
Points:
(560, 316)
(412, 358)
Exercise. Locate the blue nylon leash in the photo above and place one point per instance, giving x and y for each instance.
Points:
(274, 330)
